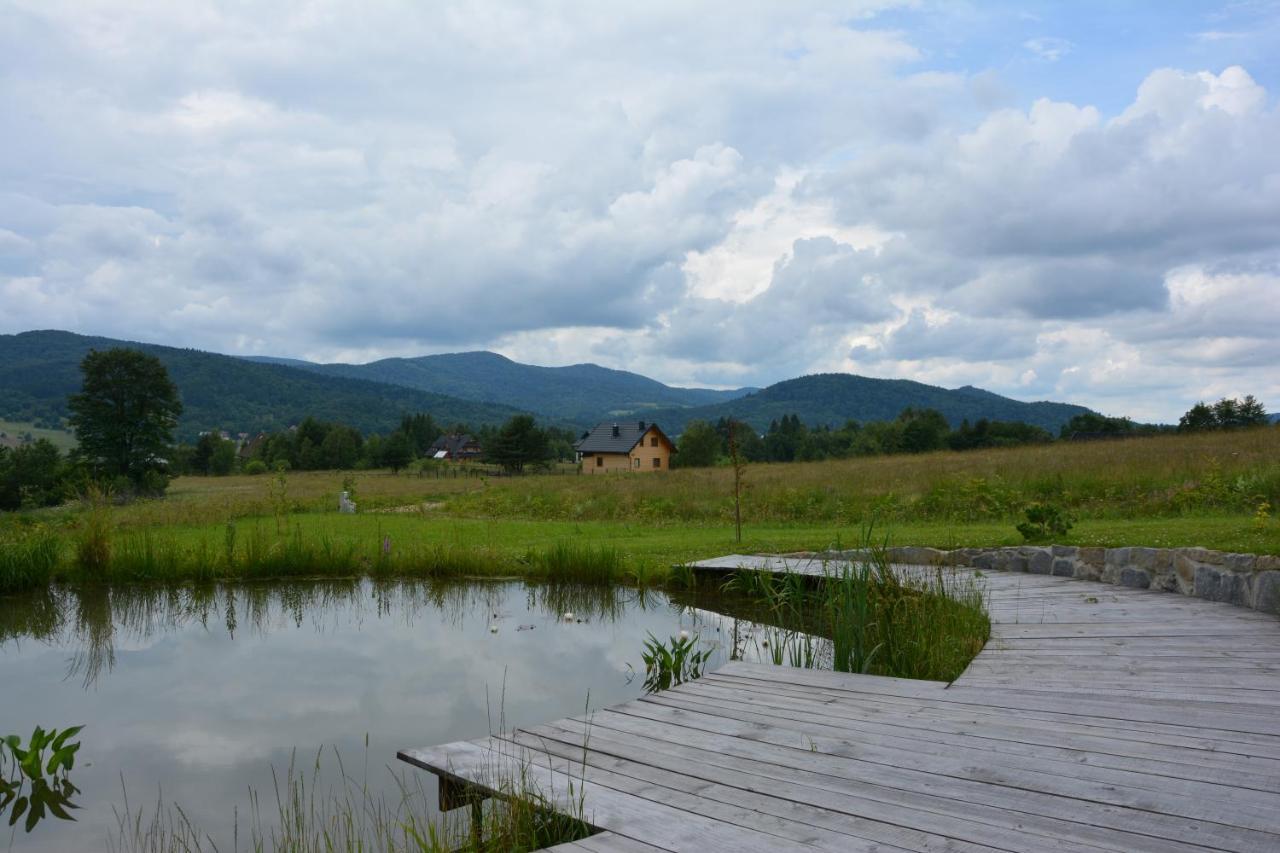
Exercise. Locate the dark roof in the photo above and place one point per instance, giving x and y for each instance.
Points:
(602, 439)
(454, 443)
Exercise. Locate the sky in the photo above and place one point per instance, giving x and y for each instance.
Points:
(1072, 201)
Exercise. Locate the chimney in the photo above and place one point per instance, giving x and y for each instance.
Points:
(641, 425)
(615, 431)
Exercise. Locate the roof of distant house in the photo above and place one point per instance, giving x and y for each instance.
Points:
(455, 443)
(617, 437)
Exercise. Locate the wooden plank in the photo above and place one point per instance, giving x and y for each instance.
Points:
(854, 805)
(662, 764)
(636, 817)
(1096, 718)
(972, 800)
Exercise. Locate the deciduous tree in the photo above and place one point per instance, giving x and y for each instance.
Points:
(124, 416)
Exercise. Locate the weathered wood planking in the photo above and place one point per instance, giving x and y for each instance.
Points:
(1096, 718)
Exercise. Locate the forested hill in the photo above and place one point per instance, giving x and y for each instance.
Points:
(39, 370)
(580, 393)
(833, 398)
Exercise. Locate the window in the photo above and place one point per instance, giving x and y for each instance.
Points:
(653, 441)
(657, 462)
(599, 461)
(635, 463)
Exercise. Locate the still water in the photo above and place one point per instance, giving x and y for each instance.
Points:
(193, 694)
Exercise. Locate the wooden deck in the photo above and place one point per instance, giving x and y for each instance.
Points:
(1096, 718)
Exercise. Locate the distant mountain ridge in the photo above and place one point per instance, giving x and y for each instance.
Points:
(581, 393)
(40, 369)
(832, 398)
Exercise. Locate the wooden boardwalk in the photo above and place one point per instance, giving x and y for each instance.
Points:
(1096, 718)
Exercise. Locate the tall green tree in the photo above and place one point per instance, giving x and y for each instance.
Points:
(397, 451)
(699, 445)
(519, 443)
(124, 416)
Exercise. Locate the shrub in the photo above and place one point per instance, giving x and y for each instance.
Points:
(1044, 521)
(255, 467)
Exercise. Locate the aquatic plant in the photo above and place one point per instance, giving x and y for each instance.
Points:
(674, 662)
(32, 785)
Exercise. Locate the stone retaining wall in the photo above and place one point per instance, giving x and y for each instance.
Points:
(1246, 580)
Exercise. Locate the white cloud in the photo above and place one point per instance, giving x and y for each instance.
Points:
(1048, 48)
(650, 188)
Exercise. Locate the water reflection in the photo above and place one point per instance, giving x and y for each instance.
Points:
(91, 620)
(194, 693)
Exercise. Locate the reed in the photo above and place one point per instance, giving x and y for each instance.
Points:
(870, 619)
(579, 562)
(29, 560)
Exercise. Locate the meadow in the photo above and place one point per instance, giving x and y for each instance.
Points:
(1216, 490)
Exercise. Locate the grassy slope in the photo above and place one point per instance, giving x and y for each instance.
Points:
(62, 438)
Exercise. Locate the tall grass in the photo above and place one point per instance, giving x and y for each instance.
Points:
(579, 562)
(926, 625)
(29, 559)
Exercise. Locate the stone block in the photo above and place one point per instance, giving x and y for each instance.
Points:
(985, 561)
(1117, 557)
(1040, 562)
(917, 556)
(1214, 583)
(1070, 551)
(1267, 563)
(1165, 580)
(1203, 555)
(1185, 567)
(1088, 571)
(1142, 558)
(1015, 563)
(1242, 563)
(1092, 555)
(1111, 572)
(1134, 578)
(1266, 592)
(1064, 567)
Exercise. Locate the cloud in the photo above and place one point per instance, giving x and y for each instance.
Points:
(1048, 48)
(714, 195)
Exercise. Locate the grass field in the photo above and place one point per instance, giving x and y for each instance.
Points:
(61, 438)
(1213, 490)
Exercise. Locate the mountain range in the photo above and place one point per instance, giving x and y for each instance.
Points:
(579, 393)
(39, 369)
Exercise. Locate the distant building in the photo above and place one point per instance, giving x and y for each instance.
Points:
(631, 446)
(458, 447)
(250, 447)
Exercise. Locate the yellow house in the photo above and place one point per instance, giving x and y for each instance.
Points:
(633, 446)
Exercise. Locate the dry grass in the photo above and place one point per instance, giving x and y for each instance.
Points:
(1160, 476)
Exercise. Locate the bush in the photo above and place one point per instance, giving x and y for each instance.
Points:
(1044, 521)
(256, 467)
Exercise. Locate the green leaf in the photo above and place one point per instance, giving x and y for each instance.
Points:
(18, 808)
(66, 733)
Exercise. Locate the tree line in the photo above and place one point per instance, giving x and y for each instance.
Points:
(126, 412)
(923, 430)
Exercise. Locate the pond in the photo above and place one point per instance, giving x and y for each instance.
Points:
(195, 694)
